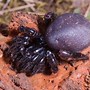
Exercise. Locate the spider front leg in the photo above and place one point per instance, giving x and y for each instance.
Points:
(30, 31)
(51, 59)
(33, 35)
(67, 55)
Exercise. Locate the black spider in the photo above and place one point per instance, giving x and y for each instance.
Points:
(28, 52)
(66, 36)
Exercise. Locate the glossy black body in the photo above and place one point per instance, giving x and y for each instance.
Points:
(70, 32)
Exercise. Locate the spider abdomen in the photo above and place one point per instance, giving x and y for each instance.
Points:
(69, 32)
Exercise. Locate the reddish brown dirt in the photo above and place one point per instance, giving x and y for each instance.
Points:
(22, 19)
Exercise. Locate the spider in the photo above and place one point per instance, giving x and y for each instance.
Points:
(66, 36)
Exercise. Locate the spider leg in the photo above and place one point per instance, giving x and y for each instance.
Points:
(15, 46)
(9, 50)
(33, 35)
(25, 58)
(24, 52)
(23, 39)
(27, 53)
(67, 55)
(14, 57)
(19, 45)
(51, 59)
(14, 50)
(80, 56)
(21, 62)
(14, 63)
(32, 62)
(15, 54)
(26, 64)
(39, 67)
(29, 50)
(31, 32)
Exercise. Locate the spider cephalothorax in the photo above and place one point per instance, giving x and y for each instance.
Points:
(28, 52)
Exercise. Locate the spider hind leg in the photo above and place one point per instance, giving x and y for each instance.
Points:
(67, 55)
(51, 59)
